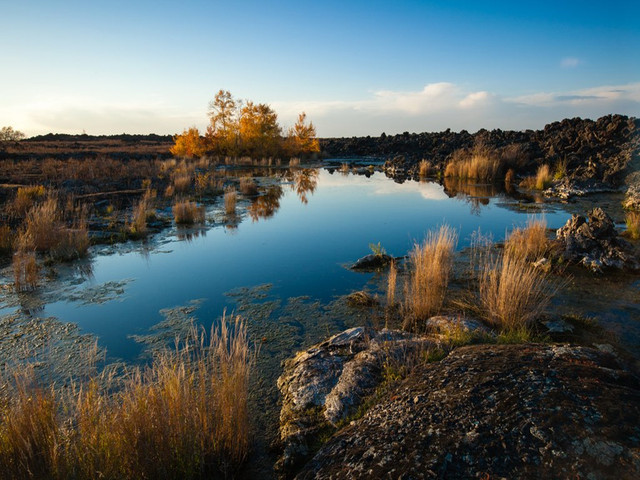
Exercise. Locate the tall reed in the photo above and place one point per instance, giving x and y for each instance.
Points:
(530, 242)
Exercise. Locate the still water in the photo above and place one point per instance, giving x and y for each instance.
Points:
(322, 224)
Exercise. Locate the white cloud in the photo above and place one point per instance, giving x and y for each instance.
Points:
(570, 62)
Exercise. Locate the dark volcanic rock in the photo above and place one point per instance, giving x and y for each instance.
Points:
(597, 152)
(516, 411)
(596, 243)
(372, 262)
(323, 385)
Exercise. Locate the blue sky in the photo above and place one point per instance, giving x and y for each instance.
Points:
(356, 68)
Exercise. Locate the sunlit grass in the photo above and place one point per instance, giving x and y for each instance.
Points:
(184, 416)
(481, 163)
(430, 264)
(632, 220)
(230, 200)
(530, 242)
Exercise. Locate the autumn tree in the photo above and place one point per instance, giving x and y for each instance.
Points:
(222, 133)
(259, 130)
(189, 144)
(302, 137)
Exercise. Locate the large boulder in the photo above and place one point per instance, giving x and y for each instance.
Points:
(373, 261)
(497, 411)
(325, 384)
(595, 243)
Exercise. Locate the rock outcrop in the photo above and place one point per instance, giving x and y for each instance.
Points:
(596, 153)
(497, 411)
(323, 385)
(595, 243)
(372, 261)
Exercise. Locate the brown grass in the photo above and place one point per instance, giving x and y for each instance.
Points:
(424, 168)
(25, 271)
(632, 220)
(431, 264)
(42, 226)
(509, 178)
(6, 239)
(529, 243)
(182, 183)
(230, 199)
(26, 197)
(512, 292)
(140, 214)
(541, 181)
(481, 163)
(187, 213)
(248, 186)
(392, 283)
(184, 416)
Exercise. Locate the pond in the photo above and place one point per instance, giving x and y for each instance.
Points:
(282, 264)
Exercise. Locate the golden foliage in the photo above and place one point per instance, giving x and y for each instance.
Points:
(189, 144)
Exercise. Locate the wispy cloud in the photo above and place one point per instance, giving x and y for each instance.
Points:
(570, 62)
(442, 105)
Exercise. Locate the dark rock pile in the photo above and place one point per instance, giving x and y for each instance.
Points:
(592, 150)
(497, 411)
(595, 243)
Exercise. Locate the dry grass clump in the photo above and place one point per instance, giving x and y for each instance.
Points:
(42, 225)
(424, 168)
(6, 239)
(26, 197)
(248, 186)
(294, 162)
(187, 213)
(141, 212)
(230, 199)
(392, 283)
(25, 271)
(184, 416)
(512, 292)
(541, 181)
(529, 243)
(509, 178)
(481, 163)
(182, 183)
(344, 169)
(632, 220)
(72, 242)
(431, 264)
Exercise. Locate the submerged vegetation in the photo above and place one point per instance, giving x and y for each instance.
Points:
(183, 416)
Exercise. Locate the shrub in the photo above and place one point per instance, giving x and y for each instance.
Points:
(431, 264)
(187, 213)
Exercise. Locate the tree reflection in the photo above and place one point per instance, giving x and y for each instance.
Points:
(305, 182)
(266, 205)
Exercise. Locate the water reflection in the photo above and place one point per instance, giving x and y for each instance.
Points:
(266, 205)
(190, 234)
(476, 195)
(305, 182)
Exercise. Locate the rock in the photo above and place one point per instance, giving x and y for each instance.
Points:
(632, 197)
(449, 324)
(323, 385)
(372, 262)
(595, 243)
(497, 411)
